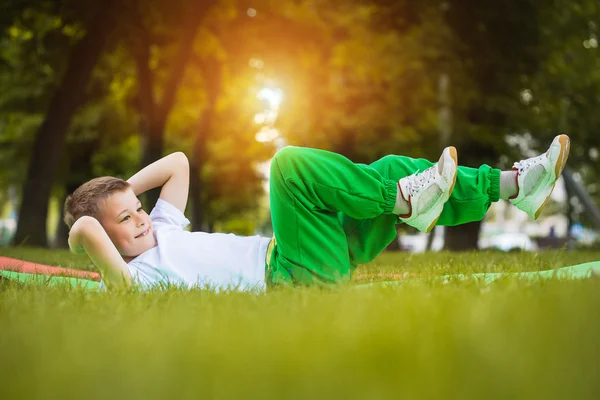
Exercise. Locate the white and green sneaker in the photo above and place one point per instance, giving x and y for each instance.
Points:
(426, 192)
(537, 176)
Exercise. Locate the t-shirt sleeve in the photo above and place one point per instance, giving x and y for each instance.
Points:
(166, 213)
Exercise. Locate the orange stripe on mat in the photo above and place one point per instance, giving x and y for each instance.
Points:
(12, 264)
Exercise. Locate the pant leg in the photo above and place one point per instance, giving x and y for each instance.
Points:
(308, 188)
(475, 190)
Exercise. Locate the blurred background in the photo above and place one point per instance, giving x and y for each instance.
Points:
(91, 88)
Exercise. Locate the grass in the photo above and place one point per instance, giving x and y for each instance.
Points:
(509, 340)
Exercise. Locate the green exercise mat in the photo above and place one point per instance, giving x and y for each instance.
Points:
(49, 280)
(580, 271)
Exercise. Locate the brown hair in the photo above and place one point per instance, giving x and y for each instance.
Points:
(85, 200)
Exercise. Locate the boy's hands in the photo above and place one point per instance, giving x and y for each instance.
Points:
(172, 172)
(88, 235)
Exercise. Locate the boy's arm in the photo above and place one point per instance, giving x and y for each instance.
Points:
(172, 172)
(87, 235)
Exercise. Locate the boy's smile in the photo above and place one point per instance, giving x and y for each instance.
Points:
(128, 226)
(144, 233)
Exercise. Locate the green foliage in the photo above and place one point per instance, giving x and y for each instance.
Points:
(562, 94)
(362, 78)
(32, 53)
(239, 226)
(370, 85)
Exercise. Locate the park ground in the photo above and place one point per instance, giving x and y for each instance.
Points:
(432, 338)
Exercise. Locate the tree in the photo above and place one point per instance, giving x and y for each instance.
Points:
(212, 70)
(158, 96)
(50, 137)
(371, 85)
(33, 45)
(103, 137)
(562, 94)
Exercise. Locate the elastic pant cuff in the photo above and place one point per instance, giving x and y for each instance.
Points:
(391, 190)
(494, 190)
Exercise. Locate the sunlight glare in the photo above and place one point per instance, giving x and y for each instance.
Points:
(272, 96)
(267, 135)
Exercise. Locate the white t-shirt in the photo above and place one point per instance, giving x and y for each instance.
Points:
(212, 260)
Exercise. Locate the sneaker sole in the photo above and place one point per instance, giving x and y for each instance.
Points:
(454, 155)
(565, 149)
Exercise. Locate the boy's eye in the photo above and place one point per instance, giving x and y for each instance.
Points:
(140, 209)
(125, 219)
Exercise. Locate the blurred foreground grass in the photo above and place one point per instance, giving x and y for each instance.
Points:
(512, 339)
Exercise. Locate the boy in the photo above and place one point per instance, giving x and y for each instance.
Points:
(328, 214)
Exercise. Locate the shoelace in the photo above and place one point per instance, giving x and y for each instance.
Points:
(416, 181)
(524, 165)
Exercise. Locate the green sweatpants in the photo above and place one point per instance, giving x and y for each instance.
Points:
(330, 214)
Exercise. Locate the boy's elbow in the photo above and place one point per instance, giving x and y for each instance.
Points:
(85, 223)
(182, 160)
(181, 157)
(84, 226)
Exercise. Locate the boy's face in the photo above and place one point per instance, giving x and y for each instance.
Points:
(128, 226)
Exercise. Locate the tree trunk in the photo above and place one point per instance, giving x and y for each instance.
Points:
(80, 172)
(61, 240)
(569, 214)
(212, 70)
(153, 143)
(395, 244)
(196, 196)
(430, 237)
(50, 138)
(577, 189)
(152, 150)
(140, 50)
(463, 237)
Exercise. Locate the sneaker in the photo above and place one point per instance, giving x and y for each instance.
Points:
(426, 192)
(537, 176)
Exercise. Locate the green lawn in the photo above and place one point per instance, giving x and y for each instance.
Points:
(512, 339)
